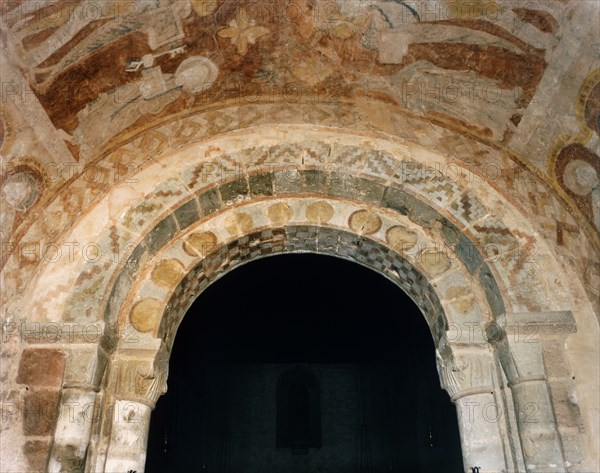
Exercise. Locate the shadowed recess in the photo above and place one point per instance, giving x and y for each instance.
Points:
(375, 401)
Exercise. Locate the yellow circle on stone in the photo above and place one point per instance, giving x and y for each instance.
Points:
(280, 213)
(435, 262)
(364, 222)
(457, 291)
(401, 238)
(319, 212)
(167, 273)
(145, 314)
(461, 298)
(200, 244)
(463, 306)
(239, 223)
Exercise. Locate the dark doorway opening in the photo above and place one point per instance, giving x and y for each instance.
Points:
(298, 410)
(367, 345)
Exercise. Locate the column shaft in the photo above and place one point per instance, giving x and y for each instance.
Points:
(128, 437)
(73, 429)
(540, 442)
(479, 418)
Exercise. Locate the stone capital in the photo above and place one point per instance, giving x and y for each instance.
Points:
(465, 371)
(140, 375)
(530, 327)
(539, 324)
(519, 339)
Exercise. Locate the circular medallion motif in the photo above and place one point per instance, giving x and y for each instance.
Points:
(167, 273)
(319, 212)
(145, 314)
(280, 213)
(580, 177)
(364, 222)
(401, 239)
(239, 223)
(200, 244)
(196, 74)
(435, 262)
(20, 190)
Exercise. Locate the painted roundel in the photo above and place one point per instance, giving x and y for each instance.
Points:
(592, 109)
(196, 74)
(578, 172)
(21, 188)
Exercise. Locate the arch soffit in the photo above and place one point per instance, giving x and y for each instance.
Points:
(426, 269)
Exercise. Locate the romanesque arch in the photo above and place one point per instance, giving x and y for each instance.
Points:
(379, 206)
(121, 209)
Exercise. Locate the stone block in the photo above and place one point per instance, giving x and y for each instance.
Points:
(36, 452)
(448, 231)
(422, 214)
(397, 200)
(492, 292)
(119, 292)
(161, 234)
(572, 444)
(314, 181)
(210, 201)
(342, 185)
(523, 360)
(137, 258)
(234, 191)
(369, 191)
(565, 404)
(261, 184)
(327, 241)
(187, 214)
(40, 412)
(555, 359)
(468, 254)
(546, 323)
(406, 204)
(287, 181)
(41, 367)
(85, 366)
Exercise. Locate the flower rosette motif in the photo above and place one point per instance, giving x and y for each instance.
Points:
(243, 31)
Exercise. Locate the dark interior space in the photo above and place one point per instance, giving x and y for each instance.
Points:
(300, 364)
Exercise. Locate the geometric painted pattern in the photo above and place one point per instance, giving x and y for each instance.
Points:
(303, 238)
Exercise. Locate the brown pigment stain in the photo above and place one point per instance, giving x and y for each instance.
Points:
(491, 28)
(542, 20)
(456, 123)
(592, 109)
(84, 82)
(509, 69)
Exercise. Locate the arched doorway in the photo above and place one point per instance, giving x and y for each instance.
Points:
(240, 361)
(331, 204)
